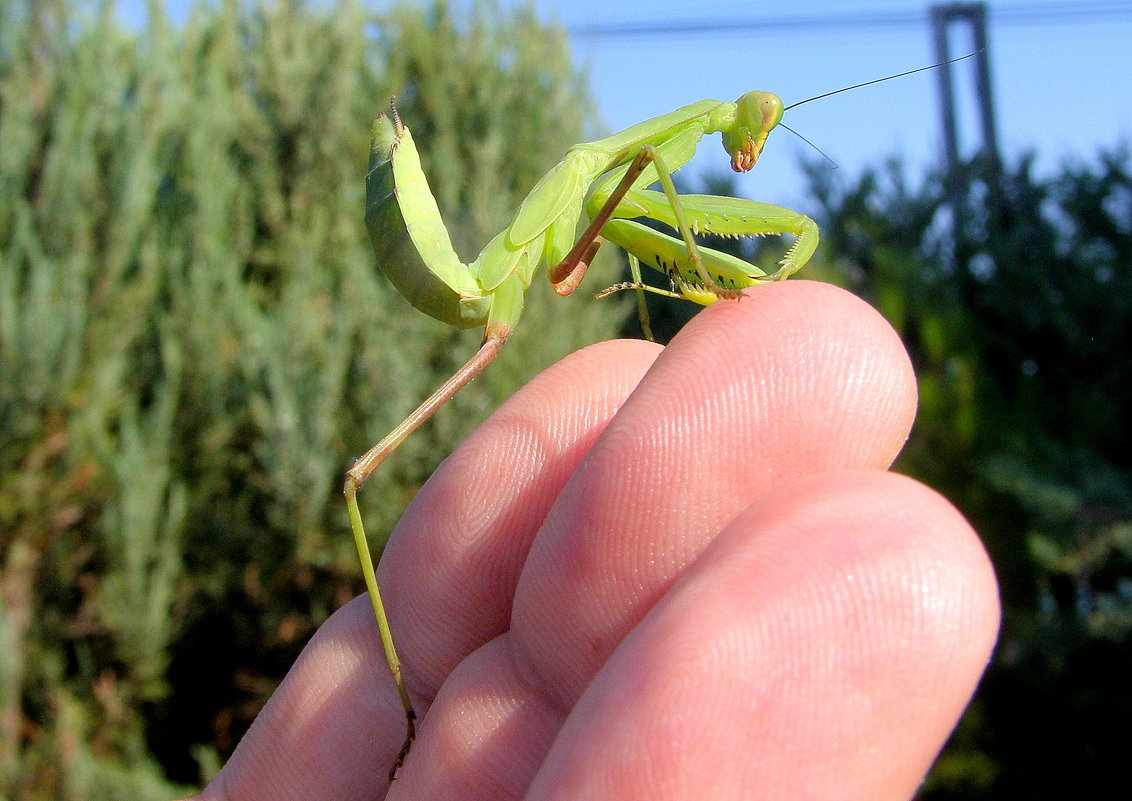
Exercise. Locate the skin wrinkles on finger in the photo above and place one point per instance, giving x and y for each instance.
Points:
(765, 645)
(451, 581)
(579, 572)
(562, 632)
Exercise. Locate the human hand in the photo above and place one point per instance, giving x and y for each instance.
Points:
(677, 573)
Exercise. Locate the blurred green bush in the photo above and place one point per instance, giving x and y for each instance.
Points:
(195, 343)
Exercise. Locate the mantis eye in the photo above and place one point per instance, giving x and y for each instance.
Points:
(771, 106)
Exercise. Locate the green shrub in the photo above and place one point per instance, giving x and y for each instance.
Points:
(195, 343)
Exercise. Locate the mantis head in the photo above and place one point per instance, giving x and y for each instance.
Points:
(756, 115)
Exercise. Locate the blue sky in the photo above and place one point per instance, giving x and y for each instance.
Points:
(1061, 73)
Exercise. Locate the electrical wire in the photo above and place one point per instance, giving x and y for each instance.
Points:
(1008, 15)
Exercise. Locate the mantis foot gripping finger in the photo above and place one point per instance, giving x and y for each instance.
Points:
(410, 736)
(726, 294)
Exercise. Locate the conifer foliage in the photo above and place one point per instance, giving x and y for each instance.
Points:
(195, 342)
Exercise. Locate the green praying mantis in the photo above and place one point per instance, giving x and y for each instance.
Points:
(607, 181)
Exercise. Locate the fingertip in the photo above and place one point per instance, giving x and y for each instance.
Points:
(822, 646)
(801, 351)
(891, 558)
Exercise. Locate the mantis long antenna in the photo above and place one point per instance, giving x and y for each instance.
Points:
(811, 144)
(881, 80)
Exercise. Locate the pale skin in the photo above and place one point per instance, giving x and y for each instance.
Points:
(663, 574)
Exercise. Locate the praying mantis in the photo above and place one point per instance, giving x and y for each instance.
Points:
(606, 180)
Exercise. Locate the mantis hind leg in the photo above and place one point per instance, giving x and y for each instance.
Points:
(494, 340)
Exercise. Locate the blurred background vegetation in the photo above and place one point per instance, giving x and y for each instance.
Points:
(194, 343)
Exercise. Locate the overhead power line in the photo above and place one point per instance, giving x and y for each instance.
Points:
(1014, 15)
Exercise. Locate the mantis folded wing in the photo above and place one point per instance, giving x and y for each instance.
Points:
(606, 180)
